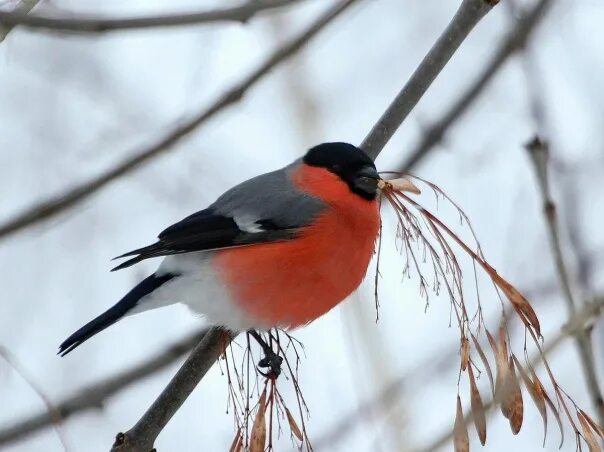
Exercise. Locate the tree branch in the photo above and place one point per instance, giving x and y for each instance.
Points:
(22, 10)
(141, 437)
(539, 153)
(53, 206)
(514, 41)
(94, 395)
(467, 16)
(241, 13)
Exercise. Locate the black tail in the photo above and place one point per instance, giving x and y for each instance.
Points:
(113, 314)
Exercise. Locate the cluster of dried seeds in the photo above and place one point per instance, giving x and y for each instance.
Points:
(420, 230)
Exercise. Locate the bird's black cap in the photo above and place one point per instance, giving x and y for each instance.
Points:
(350, 163)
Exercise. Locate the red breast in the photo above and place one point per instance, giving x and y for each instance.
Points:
(291, 283)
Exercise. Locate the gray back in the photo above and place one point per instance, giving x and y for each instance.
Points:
(270, 197)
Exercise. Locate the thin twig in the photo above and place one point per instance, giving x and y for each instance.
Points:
(467, 16)
(141, 437)
(53, 206)
(21, 10)
(584, 255)
(539, 153)
(515, 40)
(241, 13)
(93, 396)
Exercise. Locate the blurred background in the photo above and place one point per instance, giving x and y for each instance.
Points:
(72, 105)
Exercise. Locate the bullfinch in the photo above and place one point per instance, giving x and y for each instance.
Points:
(278, 250)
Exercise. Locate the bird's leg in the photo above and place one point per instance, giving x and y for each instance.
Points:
(271, 359)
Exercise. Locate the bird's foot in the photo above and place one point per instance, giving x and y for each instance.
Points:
(272, 362)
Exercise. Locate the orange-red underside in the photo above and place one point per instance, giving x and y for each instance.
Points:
(292, 283)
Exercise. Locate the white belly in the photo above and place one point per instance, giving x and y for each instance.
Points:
(201, 289)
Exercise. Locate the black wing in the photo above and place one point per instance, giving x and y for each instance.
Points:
(207, 230)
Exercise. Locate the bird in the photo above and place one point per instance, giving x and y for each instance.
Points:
(278, 250)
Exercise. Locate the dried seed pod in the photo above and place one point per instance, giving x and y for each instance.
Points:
(485, 362)
(588, 434)
(537, 392)
(478, 413)
(293, 425)
(237, 444)
(465, 353)
(596, 428)
(512, 399)
(258, 436)
(400, 184)
(461, 441)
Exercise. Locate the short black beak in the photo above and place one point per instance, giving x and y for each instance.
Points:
(366, 181)
(369, 171)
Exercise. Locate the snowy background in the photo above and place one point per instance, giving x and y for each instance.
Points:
(72, 105)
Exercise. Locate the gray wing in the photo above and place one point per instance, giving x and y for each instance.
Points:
(269, 199)
(263, 209)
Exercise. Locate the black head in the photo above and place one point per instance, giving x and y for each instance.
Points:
(350, 163)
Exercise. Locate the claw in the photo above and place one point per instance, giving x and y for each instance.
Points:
(272, 361)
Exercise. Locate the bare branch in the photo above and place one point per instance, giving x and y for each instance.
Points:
(515, 40)
(22, 10)
(141, 437)
(584, 256)
(468, 15)
(539, 153)
(53, 206)
(94, 395)
(241, 13)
